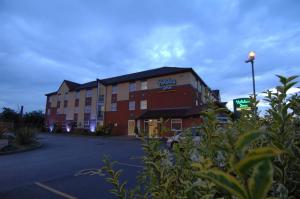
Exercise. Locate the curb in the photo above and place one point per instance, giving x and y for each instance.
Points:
(22, 150)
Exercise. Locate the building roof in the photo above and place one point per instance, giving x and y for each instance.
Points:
(131, 77)
(52, 93)
(148, 74)
(87, 85)
(72, 85)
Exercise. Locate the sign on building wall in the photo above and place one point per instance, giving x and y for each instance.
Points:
(166, 84)
(241, 104)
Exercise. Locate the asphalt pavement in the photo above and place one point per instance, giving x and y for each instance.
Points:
(54, 171)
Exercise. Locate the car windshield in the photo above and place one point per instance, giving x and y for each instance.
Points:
(194, 131)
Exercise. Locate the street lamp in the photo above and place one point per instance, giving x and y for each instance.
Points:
(251, 58)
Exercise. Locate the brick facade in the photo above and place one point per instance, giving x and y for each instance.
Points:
(127, 99)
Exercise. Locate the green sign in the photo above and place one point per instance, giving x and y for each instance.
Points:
(241, 104)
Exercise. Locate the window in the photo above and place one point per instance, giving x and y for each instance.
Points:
(75, 117)
(76, 102)
(89, 93)
(113, 106)
(66, 96)
(114, 89)
(100, 112)
(101, 99)
(65, 103)
(132, 105)
(143, 104)
(77, 94)
(86, 124)
(176, 124)
(88, 101)
(144, 85)
(58, 104)
(48, 111)
(132, 86)
(87, 109)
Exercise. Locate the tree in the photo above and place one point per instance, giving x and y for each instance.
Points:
(34, 119)
(9, 115)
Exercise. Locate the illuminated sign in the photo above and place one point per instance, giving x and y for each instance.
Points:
(241, 104)
(166, 84)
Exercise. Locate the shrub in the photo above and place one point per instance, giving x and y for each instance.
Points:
(2, 131)
(102, 130)
(250, 158)
(25, 136)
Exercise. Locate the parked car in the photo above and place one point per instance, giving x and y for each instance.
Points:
(195, 132)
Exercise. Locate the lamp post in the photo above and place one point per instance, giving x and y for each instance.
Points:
(251, 58)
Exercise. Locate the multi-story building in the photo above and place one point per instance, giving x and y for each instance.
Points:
(143, 101)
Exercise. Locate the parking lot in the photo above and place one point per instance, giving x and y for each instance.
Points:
(53, 170)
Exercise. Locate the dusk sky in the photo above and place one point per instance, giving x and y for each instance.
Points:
(44, 42)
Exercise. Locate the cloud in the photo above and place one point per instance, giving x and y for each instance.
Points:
(45, 42)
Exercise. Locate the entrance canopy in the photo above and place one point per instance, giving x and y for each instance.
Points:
(170, 113)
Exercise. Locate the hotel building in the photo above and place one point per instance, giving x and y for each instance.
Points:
(140, 101)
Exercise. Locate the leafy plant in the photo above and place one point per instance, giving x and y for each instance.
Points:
(2, 131)
(104, 130)
(25, 136)
(283, 134)
(251, 157)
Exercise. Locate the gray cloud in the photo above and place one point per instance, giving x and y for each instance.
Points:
(44, 42)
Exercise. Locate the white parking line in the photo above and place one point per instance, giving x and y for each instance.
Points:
(62, 194)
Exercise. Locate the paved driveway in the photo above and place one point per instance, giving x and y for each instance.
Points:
(50, 172)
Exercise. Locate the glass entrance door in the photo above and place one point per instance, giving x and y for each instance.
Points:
(153, 131)
(131, 127)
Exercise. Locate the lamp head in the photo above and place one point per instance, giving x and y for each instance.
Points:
(251, 55)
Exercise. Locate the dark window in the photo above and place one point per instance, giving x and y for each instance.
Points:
(88, 101)
(86, 123)
(76, 102)
(58, 104)
(87, 116)
(75, 117)
(101, 98)
(65, 103)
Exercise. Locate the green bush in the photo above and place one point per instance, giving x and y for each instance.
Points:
(25, 136)
(102, 130)
(2, 131)
(251, 157)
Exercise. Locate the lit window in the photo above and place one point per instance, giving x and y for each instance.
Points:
(113, 106)
(132, 86)
(143, 104)
(87, 109)
(176, 124)
(114, 89)
(144, 85)
(89, 93)
(132, 105)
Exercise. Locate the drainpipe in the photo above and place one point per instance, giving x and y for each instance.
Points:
(104, 114)
(97, 101)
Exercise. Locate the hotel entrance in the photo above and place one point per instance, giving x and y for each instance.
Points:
(152, 127)
(131, 127)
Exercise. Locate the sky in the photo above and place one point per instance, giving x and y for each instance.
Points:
(44, 42)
